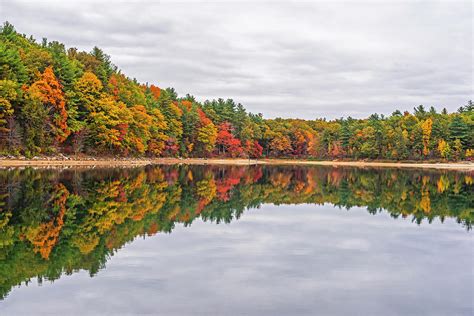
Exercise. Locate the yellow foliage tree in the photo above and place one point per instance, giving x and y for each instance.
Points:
(444, 149)
(426, 127)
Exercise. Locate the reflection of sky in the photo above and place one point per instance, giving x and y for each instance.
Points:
(288, 260)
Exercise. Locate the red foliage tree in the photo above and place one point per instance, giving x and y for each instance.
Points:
(171, 147)
(226, 142)
(253, 149)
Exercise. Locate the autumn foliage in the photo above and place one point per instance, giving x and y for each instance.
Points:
(49, 91)
(56, 100)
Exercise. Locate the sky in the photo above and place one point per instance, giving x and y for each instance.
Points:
(283, 59)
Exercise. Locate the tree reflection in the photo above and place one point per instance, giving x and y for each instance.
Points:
(54, 222)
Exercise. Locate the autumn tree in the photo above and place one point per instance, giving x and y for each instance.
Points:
(207, 136)
(108, 123)
(253, 149)
(444, 149)
(158, 136)
(139, 133)
(49, 92)
(280, 145)
(426, 129)
(226, 142)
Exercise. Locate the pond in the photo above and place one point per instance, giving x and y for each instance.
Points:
(236, 240)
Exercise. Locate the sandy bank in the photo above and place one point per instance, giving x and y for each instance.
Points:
(198, 161)
(454, 166)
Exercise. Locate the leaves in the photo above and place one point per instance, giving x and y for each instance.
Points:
(54, 99)
(49, 91)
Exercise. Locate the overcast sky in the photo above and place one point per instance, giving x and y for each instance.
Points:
(286, 59)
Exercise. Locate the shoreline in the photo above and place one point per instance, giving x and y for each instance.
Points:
(110, 162)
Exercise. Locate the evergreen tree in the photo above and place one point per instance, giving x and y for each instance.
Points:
(458, 129)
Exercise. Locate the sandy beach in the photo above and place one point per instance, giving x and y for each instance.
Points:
(5, 163)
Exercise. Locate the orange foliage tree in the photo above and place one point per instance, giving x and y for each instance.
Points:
(49, 91)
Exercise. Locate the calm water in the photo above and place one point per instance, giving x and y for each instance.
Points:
(179, 240)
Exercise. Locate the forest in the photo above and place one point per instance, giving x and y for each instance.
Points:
(55, 222)
(57, 100)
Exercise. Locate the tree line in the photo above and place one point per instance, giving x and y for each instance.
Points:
(54, 222)
(57, 100)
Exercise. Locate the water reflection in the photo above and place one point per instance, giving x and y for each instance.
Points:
(54, 222)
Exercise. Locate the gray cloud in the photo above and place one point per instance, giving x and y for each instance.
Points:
(288, 59)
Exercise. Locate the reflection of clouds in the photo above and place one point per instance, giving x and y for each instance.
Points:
(354, 244)
(320, 59)
(302, 259)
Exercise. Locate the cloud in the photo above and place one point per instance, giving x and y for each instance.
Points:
(287, 59)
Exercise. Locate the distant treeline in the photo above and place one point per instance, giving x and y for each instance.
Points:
(54, 99)
(54, 222)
